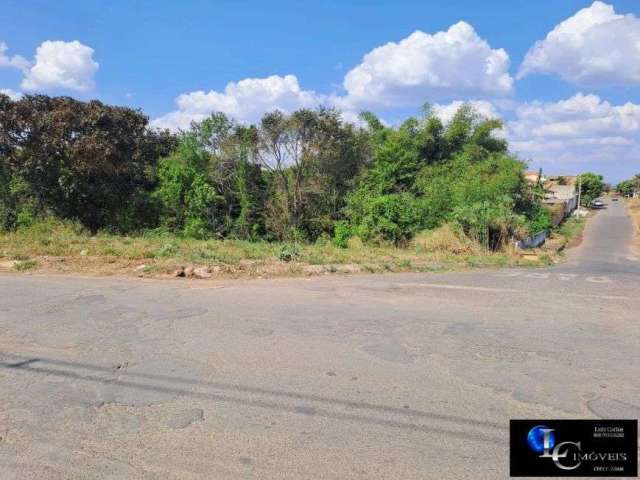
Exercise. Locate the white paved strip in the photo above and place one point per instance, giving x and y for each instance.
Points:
(510, 290)
(459, 287)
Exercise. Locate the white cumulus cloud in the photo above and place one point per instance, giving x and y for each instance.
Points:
(423, 66)
(580, 132)
(15, 61)
(245, 101)
(64, 65)
(596, 46)
(581, 116)
(483, 107)
(456, 63)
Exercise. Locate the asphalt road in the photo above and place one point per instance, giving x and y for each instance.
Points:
(368, 376)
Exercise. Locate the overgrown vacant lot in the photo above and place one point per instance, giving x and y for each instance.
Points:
(54, 246)
(294, 194)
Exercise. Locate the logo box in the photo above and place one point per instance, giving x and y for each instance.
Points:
(573, 448)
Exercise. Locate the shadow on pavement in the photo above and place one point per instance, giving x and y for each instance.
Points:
(263, 398)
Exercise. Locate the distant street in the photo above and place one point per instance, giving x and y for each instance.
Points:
(333, 377)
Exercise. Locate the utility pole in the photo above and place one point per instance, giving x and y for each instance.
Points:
(540, 177)
(579, 192)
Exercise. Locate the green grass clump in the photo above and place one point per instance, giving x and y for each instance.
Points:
(24, 265)
(571, 227)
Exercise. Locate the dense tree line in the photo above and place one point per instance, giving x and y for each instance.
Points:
(630, 186)
(295, 177)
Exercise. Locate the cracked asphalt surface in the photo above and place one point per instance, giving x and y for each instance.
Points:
(334, 377)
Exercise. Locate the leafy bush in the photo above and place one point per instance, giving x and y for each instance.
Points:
(541, 221)
(196, 228)
(25, 218)
(341, 234)
(289, 253)
(394, 218)
(189, 202)
(490, 223)
(24, 265)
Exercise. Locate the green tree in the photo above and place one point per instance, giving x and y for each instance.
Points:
(311, 159)
(209, 185)
(189, 202)
(83, 160)
(629, 187)
(250, 189)
(592, 186)
(425, 173)
(626, 188)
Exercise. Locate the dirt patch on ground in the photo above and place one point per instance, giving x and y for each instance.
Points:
(101, 267)
(575, 241)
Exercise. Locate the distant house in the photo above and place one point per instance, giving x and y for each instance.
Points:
(561, 196)
(563, 180)
(560, 192)
(533, 177)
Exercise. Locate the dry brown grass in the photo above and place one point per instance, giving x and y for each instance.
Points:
(63, 247)
(446, 240)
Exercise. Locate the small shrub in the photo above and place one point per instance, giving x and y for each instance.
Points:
(405, 264)
(196, 228)
(25, 219)
(167, 250)
(289, 252)
(545, 219)
(341, 234)
(390, 218)
(24, 265)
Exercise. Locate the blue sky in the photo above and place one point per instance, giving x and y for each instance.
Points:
(576, 105)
